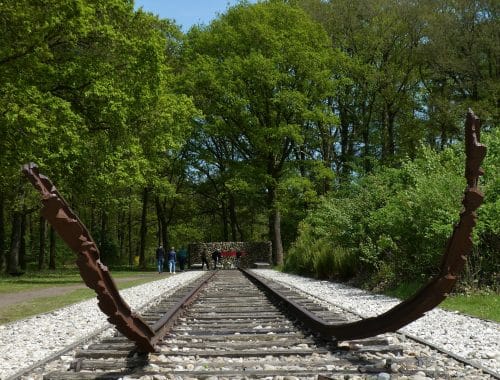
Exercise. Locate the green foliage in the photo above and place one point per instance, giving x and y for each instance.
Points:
(392, 224)
(485, 263)
(251, 73)
(249, 119)
(322, 260)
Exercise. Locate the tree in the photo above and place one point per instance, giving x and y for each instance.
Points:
(258, 73)
(85, 89)
(462, 67)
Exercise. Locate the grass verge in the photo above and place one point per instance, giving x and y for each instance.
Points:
(48, 279)
(481, 304)
(46, 304)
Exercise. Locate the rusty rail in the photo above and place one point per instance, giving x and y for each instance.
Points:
(454, 257)
(96, 275)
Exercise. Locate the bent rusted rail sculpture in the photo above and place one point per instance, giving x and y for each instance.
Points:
(94, 273)
(454, 257)
(97, 277)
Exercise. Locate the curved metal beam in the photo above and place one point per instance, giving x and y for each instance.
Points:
(454, 257)
(94, 273)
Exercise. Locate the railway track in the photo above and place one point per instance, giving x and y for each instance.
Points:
(233, 329)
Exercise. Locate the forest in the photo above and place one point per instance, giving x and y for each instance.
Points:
(332, 128)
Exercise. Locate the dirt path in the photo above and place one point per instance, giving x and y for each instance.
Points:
(9, 299)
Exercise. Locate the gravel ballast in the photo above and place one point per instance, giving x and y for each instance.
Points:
(470, 338)
(28, 341)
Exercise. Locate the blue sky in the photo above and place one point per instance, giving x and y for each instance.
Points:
(186, 12)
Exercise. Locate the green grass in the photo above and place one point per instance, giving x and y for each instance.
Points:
(486, 306)
(48, 279)
(482, 304)
(46, 304)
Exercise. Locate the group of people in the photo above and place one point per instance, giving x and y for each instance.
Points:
(216, 258)
(171, 257)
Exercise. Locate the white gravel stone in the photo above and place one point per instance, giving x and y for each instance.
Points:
(28, 341)
(471, 338)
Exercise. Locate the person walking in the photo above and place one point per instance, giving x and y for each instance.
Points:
(160, 256)
(204, 259)
(182, 258)
(238, 258)
(172, 257)
(215, 257)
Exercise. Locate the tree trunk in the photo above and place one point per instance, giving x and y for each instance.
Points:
(159, 232)
(15, 244)
(2, 232)
(391, 134)
(232, 217)
(344, 141)
(31, 246)
(444, 136)
(22, 243)
(275, 226)
(388, 145)
(161, 214)
(235, 227)
(129, 227)
(326, 154)
(103, 243)
(225, 231)
(367, 163)
(120, 232)
(344, 169)
(52, 248)
(42, 235)
(144, 228)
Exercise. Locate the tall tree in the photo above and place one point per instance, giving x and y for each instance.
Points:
(86, 79)
(462, 63)
(252, 72)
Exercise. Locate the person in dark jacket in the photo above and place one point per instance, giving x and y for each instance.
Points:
(215, 257)
(204, 259)
(160, 257)
(172, 258)
(182, 258)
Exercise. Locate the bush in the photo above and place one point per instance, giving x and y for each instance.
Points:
(395, 223)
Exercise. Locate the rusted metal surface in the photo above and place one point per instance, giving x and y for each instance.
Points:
(454, 257)
(94, 273)
(97, 277)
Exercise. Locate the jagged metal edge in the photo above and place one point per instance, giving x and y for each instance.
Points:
(455, 255)
(93, 272)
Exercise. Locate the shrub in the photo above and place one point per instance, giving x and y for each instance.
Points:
(395, 222)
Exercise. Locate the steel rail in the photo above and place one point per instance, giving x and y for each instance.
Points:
(96, 275)
(454, 258)
(320, 326)
(161, 327)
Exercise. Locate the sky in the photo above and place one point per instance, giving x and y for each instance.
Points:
(186, 13)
